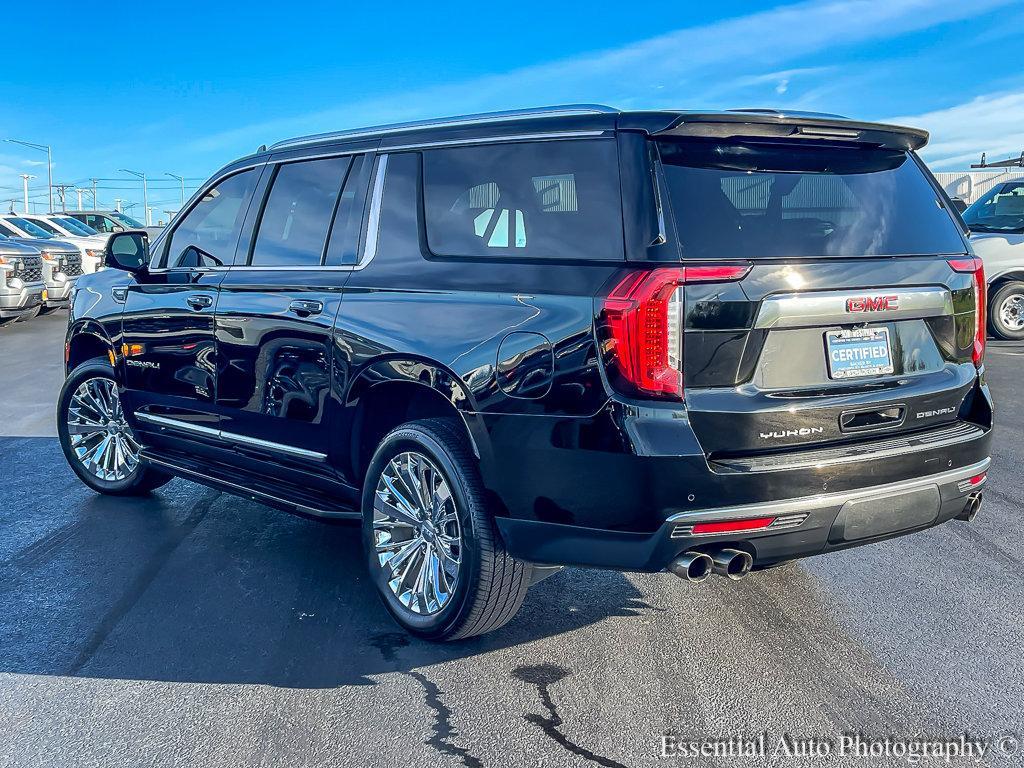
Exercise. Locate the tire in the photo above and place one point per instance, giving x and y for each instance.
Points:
(488, 585)
(1006, 311)
(133, 478)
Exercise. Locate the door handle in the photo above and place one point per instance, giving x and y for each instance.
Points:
(199, 301)
(306, 307)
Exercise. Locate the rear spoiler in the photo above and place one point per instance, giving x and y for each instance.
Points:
(769, 124)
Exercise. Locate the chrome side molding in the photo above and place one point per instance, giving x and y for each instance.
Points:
(230, 437)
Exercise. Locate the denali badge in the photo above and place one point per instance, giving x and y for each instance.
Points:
(142, 364)
(802, 432)
(872, 303)
(939, 412)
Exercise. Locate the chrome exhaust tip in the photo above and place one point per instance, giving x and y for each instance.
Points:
(692, 566)
(732, 563)
(971, 510)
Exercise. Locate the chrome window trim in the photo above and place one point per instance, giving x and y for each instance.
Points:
(373, 220)
(826, 500)
(230, 437)
(369, 248)
(798, 310)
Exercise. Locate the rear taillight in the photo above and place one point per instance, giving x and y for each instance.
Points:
(977, 270)
(641, 327)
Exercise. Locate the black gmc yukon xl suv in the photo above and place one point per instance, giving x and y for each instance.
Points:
(701, 342)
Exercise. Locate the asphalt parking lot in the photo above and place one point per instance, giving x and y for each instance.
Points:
(193, 628)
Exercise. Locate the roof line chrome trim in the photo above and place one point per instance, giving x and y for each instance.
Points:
(482, 118)
(821, 501)
(230, 437)
(553, 135)
(321, 155)
(798, 310)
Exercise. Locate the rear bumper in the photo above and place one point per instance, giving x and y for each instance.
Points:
(804, 526)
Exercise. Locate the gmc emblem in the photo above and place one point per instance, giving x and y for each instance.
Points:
(872, 303)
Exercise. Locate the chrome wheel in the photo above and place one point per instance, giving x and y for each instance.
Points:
(98, 433)
(1011, 312)
(416, 533)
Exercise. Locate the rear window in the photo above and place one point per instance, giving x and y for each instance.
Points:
(554, 200)
(750, 200)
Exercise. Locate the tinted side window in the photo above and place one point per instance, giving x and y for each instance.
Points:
(296, 219)
(555, 199)
(207, 235)
(344, 244)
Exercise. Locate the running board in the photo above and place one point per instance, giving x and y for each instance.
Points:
(238, 487)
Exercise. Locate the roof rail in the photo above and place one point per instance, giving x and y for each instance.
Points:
(561, 110)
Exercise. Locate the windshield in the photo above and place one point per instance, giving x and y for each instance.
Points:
(29, 228)
(127, 220)
(45, 225)
(74, 225)
(761, 200)
(1001, 209)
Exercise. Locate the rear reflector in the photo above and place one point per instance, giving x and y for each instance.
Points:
(971, 483)
(977, 269)
(641, 326)
(734, 526)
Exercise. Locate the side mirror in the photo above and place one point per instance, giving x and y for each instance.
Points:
(117, 228)
(127, 251)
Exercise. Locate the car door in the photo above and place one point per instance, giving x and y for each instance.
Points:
(168, 347)
(276, 311)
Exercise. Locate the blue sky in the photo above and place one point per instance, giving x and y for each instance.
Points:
(186, 87)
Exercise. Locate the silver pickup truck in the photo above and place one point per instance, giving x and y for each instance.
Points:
(996, 221)
(22, 290)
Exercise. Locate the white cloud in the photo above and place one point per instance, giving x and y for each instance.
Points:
(684, 62)
(992, 123)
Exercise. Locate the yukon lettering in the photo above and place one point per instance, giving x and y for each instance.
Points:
(802, 432)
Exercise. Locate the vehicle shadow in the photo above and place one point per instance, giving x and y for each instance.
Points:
(191, 585)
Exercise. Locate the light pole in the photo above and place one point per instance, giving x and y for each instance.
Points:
(24, 181)
(95, 203)
(49, 162)
(145, 191)
(79, 192)
(181, 179)
(117, 204)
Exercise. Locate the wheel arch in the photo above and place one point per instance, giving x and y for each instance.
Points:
(86, 340)
(397, 390)
(996, 281)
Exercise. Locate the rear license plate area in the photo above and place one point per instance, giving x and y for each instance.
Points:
(884, 515)
(858, 352)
